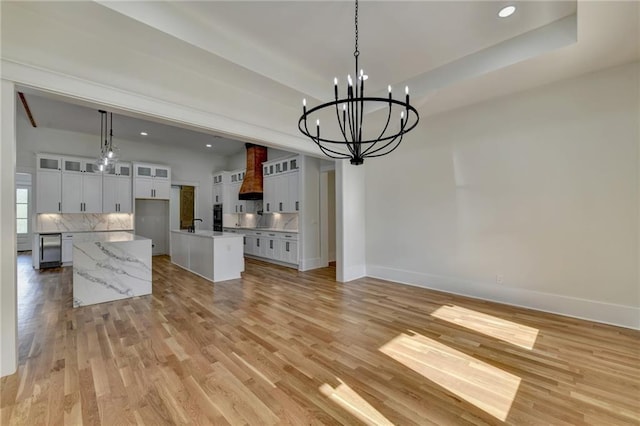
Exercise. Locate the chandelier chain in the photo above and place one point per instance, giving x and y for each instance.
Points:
(356, 52)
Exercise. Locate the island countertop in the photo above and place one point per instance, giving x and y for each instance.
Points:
(106, 237)
(207, 234)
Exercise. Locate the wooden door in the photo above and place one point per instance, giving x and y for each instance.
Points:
(187, 197)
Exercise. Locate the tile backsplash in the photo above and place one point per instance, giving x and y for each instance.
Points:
(284, 221)
(80, 222)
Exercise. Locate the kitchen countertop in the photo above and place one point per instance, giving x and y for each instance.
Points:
(106, 237)
(206, 234)
(293, 231)
(90, 232)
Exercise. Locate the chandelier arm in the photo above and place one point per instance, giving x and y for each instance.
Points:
(350, 117)
(401, 134)
(383, 130)
(340, 123)
(372, 155)
(342, 129)
(325, 150)
(318, 140)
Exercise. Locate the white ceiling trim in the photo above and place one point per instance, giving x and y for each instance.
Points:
(127, 103)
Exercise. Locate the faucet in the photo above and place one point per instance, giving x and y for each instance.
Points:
(192, 228)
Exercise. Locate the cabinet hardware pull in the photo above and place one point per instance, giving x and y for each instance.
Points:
(258, 242)
(270, 244)
(287, 245)
(280, 205)
(297, 204)
(59, 206)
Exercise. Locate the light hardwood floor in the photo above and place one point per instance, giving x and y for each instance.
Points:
(283, 347)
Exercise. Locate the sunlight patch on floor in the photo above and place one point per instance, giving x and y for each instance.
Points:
(507, 331)
(349, 400)
(483, 385)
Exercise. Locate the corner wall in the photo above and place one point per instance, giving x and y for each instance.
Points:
(8, 290)
(538, 190)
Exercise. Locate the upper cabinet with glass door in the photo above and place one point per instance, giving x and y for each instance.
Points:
(79, 165)
(151, 181)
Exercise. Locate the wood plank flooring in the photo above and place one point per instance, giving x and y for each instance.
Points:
(284, 347)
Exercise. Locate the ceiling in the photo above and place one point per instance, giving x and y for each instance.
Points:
(60, 113)
(231, 55)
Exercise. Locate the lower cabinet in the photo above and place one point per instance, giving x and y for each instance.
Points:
(280, 247)
(67, 248)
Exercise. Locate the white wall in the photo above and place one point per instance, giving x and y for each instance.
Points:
(8, 294)
(309, 216)
(540, 187)
(351, 214)
(186, 166)
(331, 217)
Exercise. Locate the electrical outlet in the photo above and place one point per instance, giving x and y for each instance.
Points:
(499, 279)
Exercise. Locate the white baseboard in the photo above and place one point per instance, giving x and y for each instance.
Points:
(608, 313)
(314, 263)
(352, 273)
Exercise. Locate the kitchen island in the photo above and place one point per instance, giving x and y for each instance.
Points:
(110, 266)
(216, 256)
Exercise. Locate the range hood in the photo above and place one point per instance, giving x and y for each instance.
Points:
(251, 188)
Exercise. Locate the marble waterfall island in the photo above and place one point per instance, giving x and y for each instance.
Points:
(110, 266)
(216, 256)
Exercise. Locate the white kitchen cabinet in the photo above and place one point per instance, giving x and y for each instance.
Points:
(152, 181)
(250, 244)
(281, 185)
(80, 165)
(48, 191)
(48, 183)
(278, 246)
(273, 247)
(81, 192)
(116, 189)
(116, 194)
(67, 248)
(281, 193)
(49, 162)
(221, 181)
(81, 186)
(289, 251)
(293, 196)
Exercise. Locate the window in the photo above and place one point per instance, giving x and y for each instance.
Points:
(22, 210)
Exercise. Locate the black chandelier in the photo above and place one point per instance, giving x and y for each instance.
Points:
(351, 145)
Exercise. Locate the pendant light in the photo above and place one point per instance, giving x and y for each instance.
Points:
(108, 151)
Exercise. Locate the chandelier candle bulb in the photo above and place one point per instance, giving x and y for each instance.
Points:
(335, 87)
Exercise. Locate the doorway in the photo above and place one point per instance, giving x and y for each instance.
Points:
(23, 211)
(152, 221)
(183, 206)
(328, 216)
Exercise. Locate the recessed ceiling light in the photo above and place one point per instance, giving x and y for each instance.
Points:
(208, 145)
(143, 133)
(506, 11)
